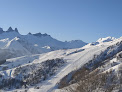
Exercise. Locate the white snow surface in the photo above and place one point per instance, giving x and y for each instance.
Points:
(107, 39)
(75, 59)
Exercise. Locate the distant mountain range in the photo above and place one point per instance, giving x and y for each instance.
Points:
(13, 44)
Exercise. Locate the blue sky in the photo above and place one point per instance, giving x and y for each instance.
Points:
(86, 20)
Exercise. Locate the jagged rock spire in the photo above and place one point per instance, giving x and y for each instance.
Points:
(45, 34)
(16, 30)
(30, 33)
(38, 34)
(1, 30)
(10, 29)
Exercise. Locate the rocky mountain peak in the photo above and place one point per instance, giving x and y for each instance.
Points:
(1, 30)
(10, 29)
(16, 30)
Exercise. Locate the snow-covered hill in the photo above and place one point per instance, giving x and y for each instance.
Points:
(44, 72)
(13, 44)
(107, 39)
(103, 40)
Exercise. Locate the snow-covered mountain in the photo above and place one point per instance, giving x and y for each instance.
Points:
(102, 40)
(67, 70)
(12, 42)
(107, 39)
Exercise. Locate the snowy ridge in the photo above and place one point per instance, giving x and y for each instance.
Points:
(102, 40)
(12, 42)
(107, 39)
(74, 58)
